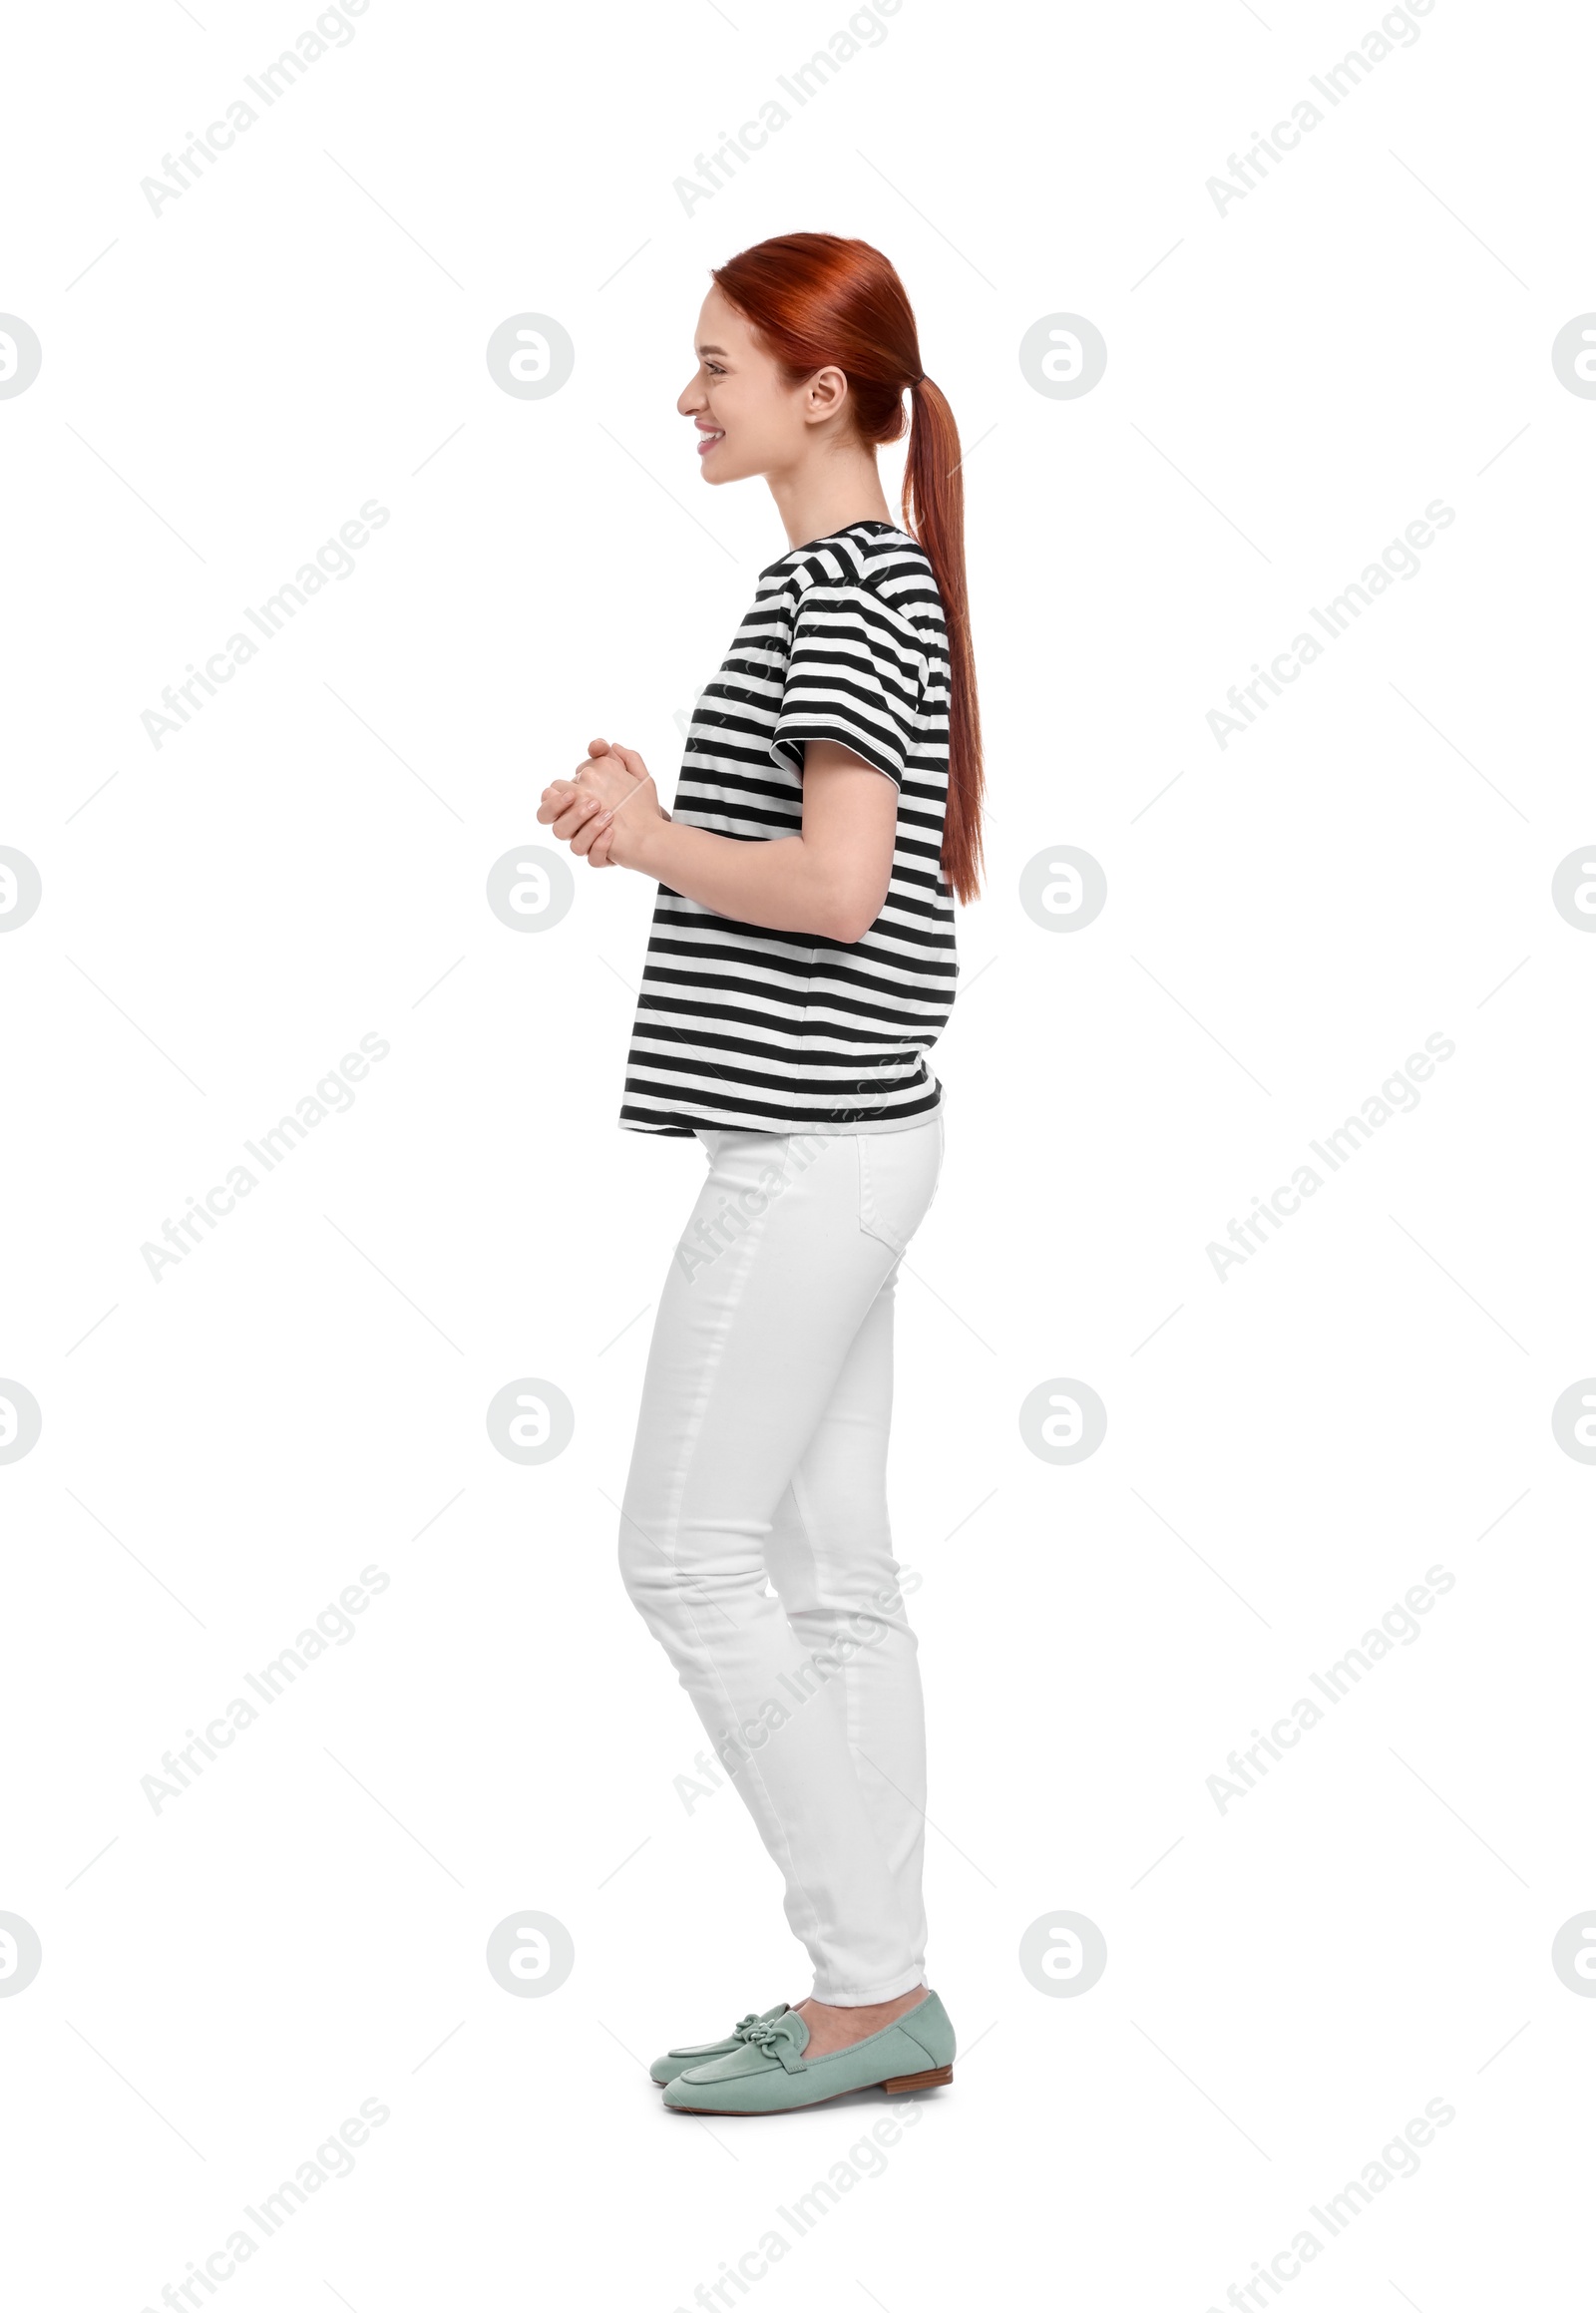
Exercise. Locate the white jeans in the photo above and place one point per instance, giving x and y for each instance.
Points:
(754, 1537)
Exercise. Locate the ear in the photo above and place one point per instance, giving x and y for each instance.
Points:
(828, 392)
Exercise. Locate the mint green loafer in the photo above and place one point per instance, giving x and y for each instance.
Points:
(665, 2067)
(767, 2071)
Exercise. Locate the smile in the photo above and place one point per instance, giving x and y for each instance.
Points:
(709, 441)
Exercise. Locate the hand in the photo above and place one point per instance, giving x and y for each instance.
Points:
(585, 811)
(620, 778)
(573, 810)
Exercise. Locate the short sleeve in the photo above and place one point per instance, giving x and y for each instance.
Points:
(854, 676)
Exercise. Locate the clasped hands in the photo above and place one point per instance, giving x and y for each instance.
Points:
(602, 808)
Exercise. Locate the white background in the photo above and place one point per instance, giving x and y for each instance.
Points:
(1289, 1982)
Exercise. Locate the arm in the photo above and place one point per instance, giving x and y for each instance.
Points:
(830, 881)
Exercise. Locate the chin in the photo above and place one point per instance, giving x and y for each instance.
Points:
(717, 467)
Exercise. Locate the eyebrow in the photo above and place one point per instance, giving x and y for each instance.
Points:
(720, 350)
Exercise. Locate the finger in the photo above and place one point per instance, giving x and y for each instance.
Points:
(597, 746)
(632, 761)
(576, 816)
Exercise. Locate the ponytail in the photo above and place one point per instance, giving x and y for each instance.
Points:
(817, 301)
(934, 514)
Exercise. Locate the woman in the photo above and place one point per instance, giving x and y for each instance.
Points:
(800, 967)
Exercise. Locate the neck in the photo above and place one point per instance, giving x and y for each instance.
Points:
(823, 496)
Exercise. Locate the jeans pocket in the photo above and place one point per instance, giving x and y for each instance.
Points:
(898, 1176)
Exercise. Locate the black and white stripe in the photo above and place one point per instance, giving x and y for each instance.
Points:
(776, 1032)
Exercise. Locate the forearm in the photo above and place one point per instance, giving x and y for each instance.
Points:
(779, 884)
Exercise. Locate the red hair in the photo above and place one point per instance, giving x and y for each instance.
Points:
(819, 301)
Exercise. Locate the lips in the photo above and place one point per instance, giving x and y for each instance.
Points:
(707, 441)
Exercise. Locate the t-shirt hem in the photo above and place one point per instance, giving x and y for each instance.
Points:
(678, 1127)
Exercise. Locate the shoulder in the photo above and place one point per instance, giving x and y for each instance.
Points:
(882, 570)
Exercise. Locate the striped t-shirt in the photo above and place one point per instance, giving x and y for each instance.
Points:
(756, 1030)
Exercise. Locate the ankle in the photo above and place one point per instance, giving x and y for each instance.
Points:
(858, 2023)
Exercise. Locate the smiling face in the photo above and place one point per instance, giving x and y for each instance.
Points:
(748, 420)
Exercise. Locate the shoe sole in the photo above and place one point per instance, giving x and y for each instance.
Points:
(940, 2078)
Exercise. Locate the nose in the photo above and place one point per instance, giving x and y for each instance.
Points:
(691, 398)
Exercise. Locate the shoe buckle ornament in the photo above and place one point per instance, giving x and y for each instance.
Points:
(776, 2038)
